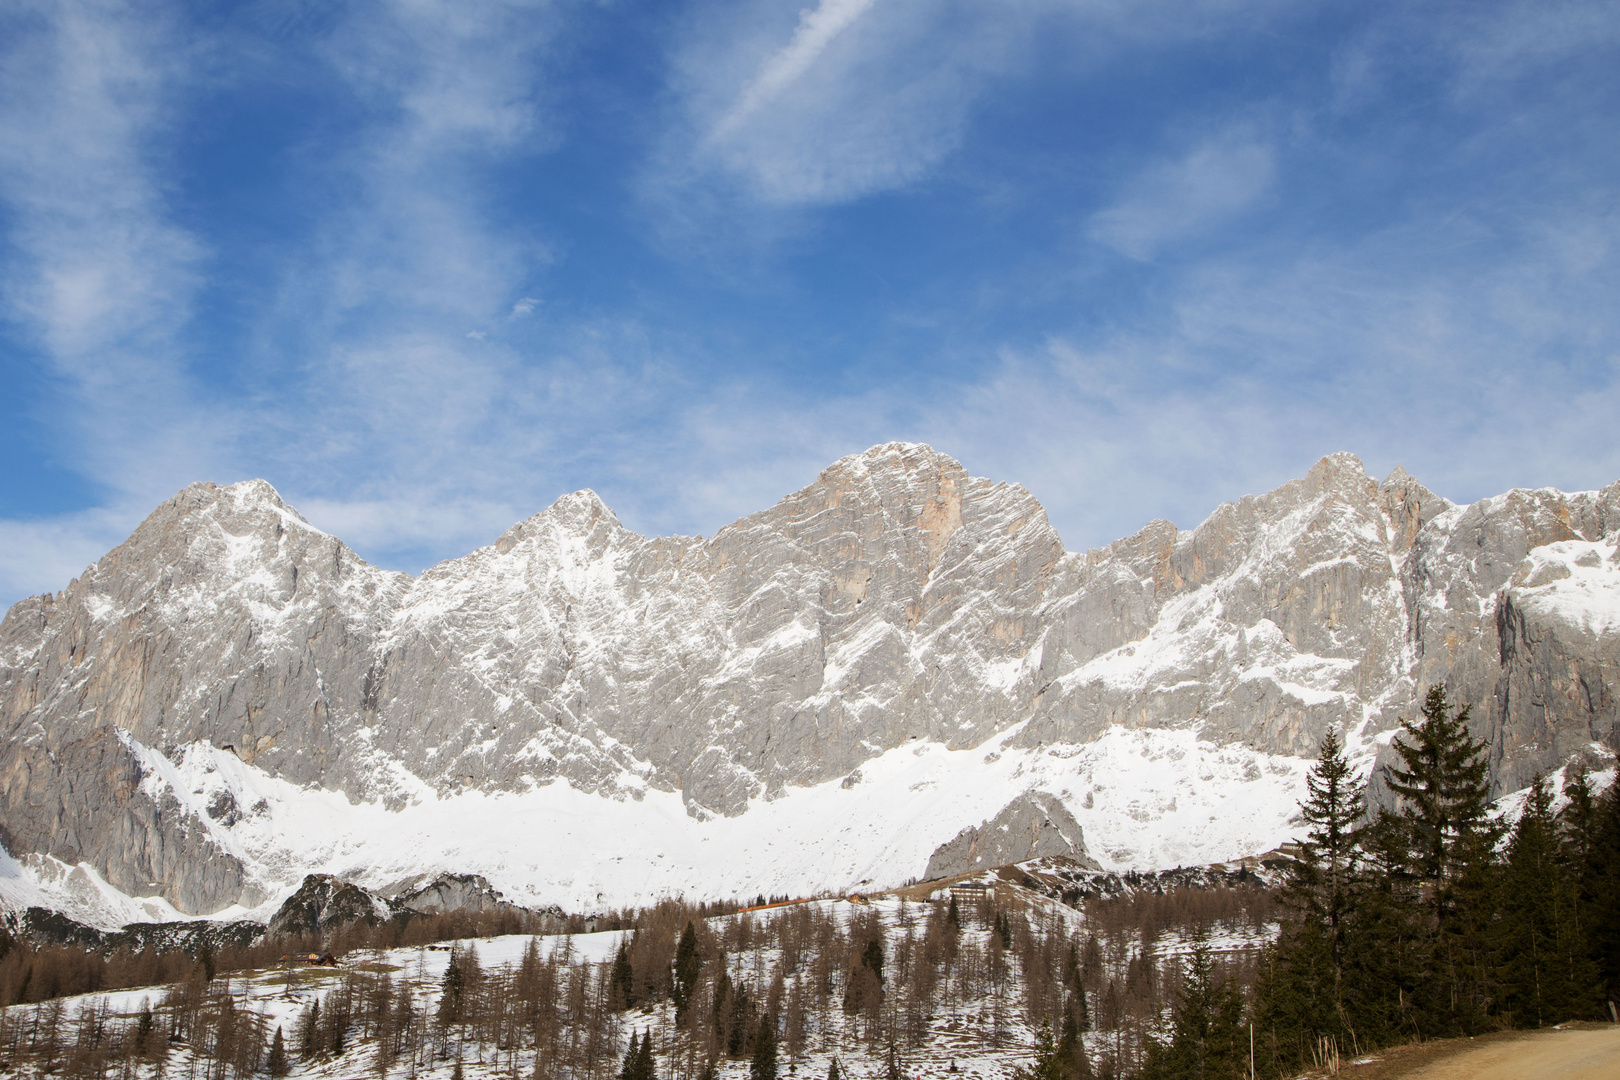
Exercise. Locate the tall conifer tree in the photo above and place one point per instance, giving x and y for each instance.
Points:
(1544, 973)
(1443, 825)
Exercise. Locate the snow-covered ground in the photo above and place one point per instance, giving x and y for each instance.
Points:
(982, 1037)
(1147, 799)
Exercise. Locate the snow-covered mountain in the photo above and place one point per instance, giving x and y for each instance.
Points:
(822, 694)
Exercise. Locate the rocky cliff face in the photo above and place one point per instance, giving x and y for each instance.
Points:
(895, 600)
(1032, 826)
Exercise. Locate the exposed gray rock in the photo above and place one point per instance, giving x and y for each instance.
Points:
(324, 903)
(450, 892)
(894, 598)
(1033, 826)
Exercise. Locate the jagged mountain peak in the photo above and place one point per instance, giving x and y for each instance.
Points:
(578, 514)
(896, 458)
(897, 621)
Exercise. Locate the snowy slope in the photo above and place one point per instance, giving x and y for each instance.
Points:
(1160, 798)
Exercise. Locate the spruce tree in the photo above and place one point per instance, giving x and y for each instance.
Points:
(688, 966)
(1073, 1064)
(1600, 889)
(832, 1070)
(763, 1064)
(1443, 826)
(1300, 997)
(1206, 1040)
(277, 1065)
(452, 997)
(645, 1070)
(622, 981)
(632, 1059)
(1335, 802)
(722, 1001)
(309, 1026)
(1296, 996)
(742, 1022)
(1544, 973)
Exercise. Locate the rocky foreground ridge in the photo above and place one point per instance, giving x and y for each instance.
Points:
(895, 602)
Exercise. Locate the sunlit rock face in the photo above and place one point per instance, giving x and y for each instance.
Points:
(895, 599)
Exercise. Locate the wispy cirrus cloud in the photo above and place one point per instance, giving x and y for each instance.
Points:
(102, 280)
(1208, 184)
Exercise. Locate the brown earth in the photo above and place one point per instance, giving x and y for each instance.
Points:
(1573, 1052)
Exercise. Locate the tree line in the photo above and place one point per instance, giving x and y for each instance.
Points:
(684, 995)
(1428, 917)
(31, 972)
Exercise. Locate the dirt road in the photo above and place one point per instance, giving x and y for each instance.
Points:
(1586, 1053)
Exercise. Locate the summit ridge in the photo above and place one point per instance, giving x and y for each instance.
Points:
(898, 650)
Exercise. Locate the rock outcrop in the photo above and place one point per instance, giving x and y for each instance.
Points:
(1033, 826)
(443, 893)
(896, 599)
(324, 903)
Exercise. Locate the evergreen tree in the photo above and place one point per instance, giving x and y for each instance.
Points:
(1599, 877)
(832, 1070)
(645, 1069)
(722, 1000)
(632, 1059)
(1073, 1064)
(309, 1026)
(1387, 947)
(1320, 885)
(452, 997)
(1045, 1061)
(1206, 1038)
(953, 914)
(1545, 974)
(1443, 826)
(872, 957)
(1300, 997)
(688, 966)
(763, 1065)
(891, 1069)
(1295, 996)
(277, 1065)
(741, 1028)
(622, 982)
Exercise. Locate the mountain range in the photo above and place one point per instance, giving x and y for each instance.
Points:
(896, 671)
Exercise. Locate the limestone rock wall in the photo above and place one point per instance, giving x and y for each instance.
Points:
(895, 598)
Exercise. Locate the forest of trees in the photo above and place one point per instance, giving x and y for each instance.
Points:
(1422, 918)
(1430, 916)
(874, 987)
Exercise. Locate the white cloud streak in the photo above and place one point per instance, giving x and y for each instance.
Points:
(1212, 182)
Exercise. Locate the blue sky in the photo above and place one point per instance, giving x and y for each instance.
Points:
(426, 266)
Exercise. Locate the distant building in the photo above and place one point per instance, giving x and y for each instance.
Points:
(310, 959)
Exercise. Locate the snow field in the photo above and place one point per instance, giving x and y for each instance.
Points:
(1146, 799)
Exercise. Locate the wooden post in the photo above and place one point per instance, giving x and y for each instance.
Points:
(1251, 1050)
